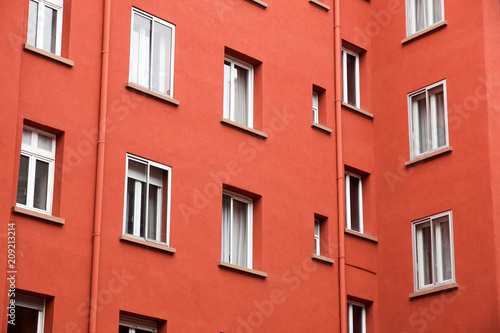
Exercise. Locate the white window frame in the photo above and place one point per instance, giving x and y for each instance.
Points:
(230, 111)
(153, 19)
(350, 317)
(437, 268)
(348, 176)
(57, 5)
(166, 218)
(226, 248)
(411, 15)
(315, 107)
(34, 303)
(431, 120)
(34, 154)
(317, 236)
(135, 323)
(345, 92)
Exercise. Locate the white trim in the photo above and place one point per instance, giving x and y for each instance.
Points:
(345, 92)
(350, 320)
(411, 16)
(56, 5)
(231, 112)
(348, 176)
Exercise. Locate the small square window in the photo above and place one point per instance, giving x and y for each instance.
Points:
(433, 251)
(132, 324)
(428, 119)
(350, 77)
(147, 200)
(45, 25)
(354, 202)
(152, 53)
(35, 184)
(238, 91)
(356, 313)
(421, 14)
(237, 229)
(30, 314)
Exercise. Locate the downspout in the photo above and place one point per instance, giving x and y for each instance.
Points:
(340, 167)
(96, 237)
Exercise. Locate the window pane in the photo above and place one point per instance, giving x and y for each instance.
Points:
(357, 319)
(438, 10)
(154, 218)
(142, 231)
(227, 89)
(130, 206)
(351, 79)
(315, 106)
(44, 142)
(22, 182)
(239, 244)
(123, 329)
(420, 14)
(140, 51)
(162, 37)
(440, 119)
(26, 321)
(240, 95)
(420, 130)
(41, 185)
(27, 137)
(445, 249)
(226, 227)
(32, 22)
(49, 30)
(424, 258)
(354, 200)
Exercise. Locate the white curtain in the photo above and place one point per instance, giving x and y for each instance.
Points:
(420, 15)
(239, 246)
(241, 95)
(140, 51)
(161, 58)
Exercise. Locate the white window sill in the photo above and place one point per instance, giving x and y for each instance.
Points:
(434, 290)
(143, 242)
(321, 128)
(150, 93)
(320, 5)
(243, 270)
(424, 32)
(48, 55)
(323, 259)
(429, 156)
(38, 215)
(244, 129)
(361, 235)
(258, 3)
(359, 111)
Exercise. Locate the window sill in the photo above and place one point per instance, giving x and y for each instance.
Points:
(357, 110)
(321, 128)
(424, 32)
(258, 3)
(37, 215)
(439, 289)
(244, 129)
(361, 235)
(243, 270)
(320, 5)
(323, 259)
(429, 156)
(150, 93)
(143, 242)
(48, 55)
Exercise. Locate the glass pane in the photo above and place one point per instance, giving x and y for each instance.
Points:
(227, 89)
(41, 185)
(438, 10)
(420, 130)
(32, 22)
(44, 142)
(420, 15)
(27, 137)
(357, 319)
(26, 321)
(425, 255)
(440, 119)
(123, 329)
(315, 106)
(240, 95)
(445, 250)
(49, 29)
(141, 331)
(142, 231)
(354, 200)
(239, 244)
(226, 227)
(140, 51)
(351, 79)
(162, 38)
(137, 170)
(22, 182)
(130, 211)
(153, 215)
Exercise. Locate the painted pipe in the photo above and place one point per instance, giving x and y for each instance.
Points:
(96, 237)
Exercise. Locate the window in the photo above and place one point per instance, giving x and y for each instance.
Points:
(29, 315)
(36, 170)
(317, 237)
(131, 324)
(45, 25)
(433, 251)
(315, 107)
(237, 229)
(428, 119)
(147, 200)
(152, 53)
(354, 202)
(350, 77)
(422, 14)
(356, 313)
(238, 91)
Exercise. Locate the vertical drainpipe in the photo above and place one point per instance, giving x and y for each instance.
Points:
(340, 168)
(96, 237)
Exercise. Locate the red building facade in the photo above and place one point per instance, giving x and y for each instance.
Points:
(249, 166)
